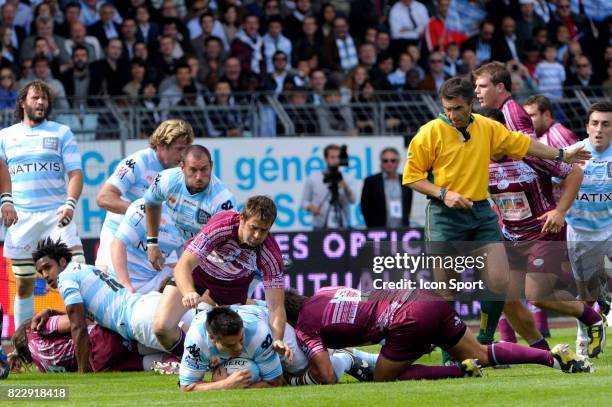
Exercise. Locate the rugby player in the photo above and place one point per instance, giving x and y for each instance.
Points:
(40, 154)
(410, 322)
(133, 176)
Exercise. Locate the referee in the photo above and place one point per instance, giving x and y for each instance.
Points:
(448, 160)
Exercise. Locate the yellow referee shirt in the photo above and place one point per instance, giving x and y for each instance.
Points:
(439, 153)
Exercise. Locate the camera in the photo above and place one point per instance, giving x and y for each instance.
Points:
(333, 175)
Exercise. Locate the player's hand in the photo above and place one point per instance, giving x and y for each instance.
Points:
(156, 258)
(8, 214)
(130, 288)
(238, 380)
(576, 154)
(455, 200)
(64, 215)
(553, 221)
(283, 349)
(191, 300)
(39, 320)
(315, 210)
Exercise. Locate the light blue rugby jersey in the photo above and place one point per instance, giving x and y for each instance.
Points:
(592, 209)
(199, 349)
(105, 299)
(38, 160)
(189, 212)
(133, 233)
(132, 177)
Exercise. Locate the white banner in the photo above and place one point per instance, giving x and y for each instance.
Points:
(276, 167)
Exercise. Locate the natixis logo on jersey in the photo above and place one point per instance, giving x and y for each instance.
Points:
(203, 217)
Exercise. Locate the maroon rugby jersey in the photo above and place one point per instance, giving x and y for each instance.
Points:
(340, 317)
(52, 351)
(517, 118)
(224, 258)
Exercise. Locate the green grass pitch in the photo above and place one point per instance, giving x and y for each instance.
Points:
(520, 385)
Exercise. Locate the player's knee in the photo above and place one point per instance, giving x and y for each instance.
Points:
(499, 285)
(25, 277)
(162, 328)
(323, 376)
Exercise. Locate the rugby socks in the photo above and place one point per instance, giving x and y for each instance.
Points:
(506, 332)
(541, 319)
(341, 362)
(178, 347)
(423, 372)
(2, 355)
(302, 380)
(24, 310)
(371, 358)
(78, 257)
(540, 344)
(490, 312)
(504, 353)
(589, 316)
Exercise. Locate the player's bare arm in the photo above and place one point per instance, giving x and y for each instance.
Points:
(80, 337)
(119, 259)
(276, 382)
(237, 380)
(154, 254)
(7, 209)
(555, 219)
(275, 300)
(65, 213)
(184, 280)
(109, 198)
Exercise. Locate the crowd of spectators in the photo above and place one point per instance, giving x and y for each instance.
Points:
(174, 53)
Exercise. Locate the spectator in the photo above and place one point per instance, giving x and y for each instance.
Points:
(42, 72)
(230, 22)
(9, 53)
(78, 36)
(138, 71)
(105, 29)
(412, 84)
(276, 80)
(544, 9)
(26, 69)
(354, 81)
(328, 15)
(526, 22)
(7, 15)
(437, 37)
(232, 73)
(436, 75)
(44, 29)
(271, 10)
(339, 52)
(532, 56)
(407, 19)
(72, 15)
(362, 108)
(383, 41)
(370, 35)
(194, 23)
(112, 71)
(384, 201)
(149, 113)
(550, 74)
(129, 29)
(335, 119)
(584, 76)
(172, 27)
(451, 59)
(505, 46)
(415, 53)
(318, 80)
(309, 42)
(367, 55)
(301, 113)
(397, 78)
(173, 9)
(481, 43)
(198, 44)
(147, 31)
(562, 42)
(89, 12)
(41, 47)
(540, 35)
(223, 118)
(383, 68)
(317, 194)
(175, 91)
(8, 89)
(78, 81)
(275, 41)
(294, 22)
(301, 74)
(247, 46)
(468, 63)
(166, 61)
(196, 72)
(211, 62)
(43, 9)
(574, 23)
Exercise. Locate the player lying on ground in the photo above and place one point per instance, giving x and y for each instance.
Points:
(51, 348)
(86, 289)
(409, 322)
(535, 259)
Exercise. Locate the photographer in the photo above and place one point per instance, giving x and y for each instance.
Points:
(326, 194)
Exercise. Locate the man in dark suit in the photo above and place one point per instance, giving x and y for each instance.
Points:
(384, 201)
(78, 81)
(106, 29)
(505, 46)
